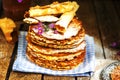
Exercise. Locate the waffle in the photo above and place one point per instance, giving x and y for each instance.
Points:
(57, 65)
(57, 43)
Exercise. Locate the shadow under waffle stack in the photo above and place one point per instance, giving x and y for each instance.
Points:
(57, 51)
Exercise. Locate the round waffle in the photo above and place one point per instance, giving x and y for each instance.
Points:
(57, 65)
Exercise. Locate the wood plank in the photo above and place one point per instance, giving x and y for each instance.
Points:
(108, 21)
(5, 55)
(117, 6)
(24, 76)
(83, 78)
(48, 77)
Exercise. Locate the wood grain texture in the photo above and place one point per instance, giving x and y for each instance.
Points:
(83, 78)
(108, 22)
(24, 76)
(47, 77)
(5, 55)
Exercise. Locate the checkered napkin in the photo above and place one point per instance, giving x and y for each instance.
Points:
(22, 64)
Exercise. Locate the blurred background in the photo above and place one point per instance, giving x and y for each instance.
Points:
(0, 6)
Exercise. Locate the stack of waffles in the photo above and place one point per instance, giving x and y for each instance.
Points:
(56, 38)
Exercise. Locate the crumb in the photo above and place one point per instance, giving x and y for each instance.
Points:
(7, 26)
(115, 74)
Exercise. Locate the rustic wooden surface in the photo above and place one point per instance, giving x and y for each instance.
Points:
(100, 18)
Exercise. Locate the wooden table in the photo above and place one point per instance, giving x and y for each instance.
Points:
(101, 19)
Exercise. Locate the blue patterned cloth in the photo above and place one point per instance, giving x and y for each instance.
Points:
(22, 64)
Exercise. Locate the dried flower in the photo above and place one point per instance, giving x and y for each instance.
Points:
(55, 32)
(52, 25)
(40, 30)
(115, 45)
(42, 27)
